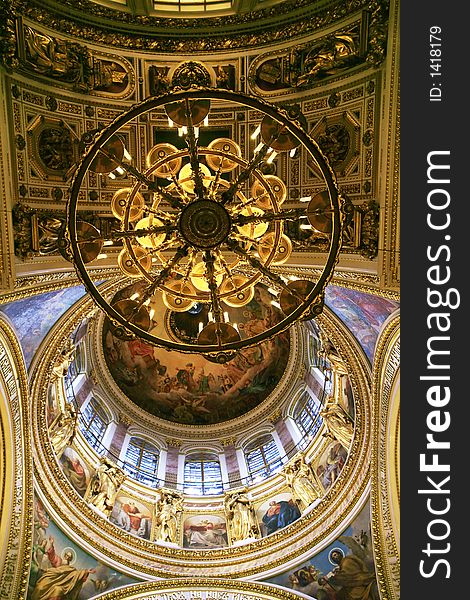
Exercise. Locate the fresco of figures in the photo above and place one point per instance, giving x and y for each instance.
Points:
(61, 569)
(277, 512)
(204, 531)
(342, 571)
(75, 470)
(33, 317)
(186, 388)
(132, 516)
(362, 313)
(330, 464)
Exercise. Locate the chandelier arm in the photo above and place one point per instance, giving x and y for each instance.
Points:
(135, 233)
(152, 185)
(243, 176)
(249, 202)
(190, 266)
(192, 142)
(209, 260)
(164, 216)
(215, 181)
(285, 215)
(166, 272)
(93, 238)
(177, 184)
(224, 264)
(244, 238)
(172, 201)
(256, 264)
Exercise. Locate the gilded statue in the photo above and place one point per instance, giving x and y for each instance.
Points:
(62, 429)
(339, 425)
(104, 486)
(328, 57)
(302, 480)
(167, 516)
(240, 515)
(65, 359)
(56, 58)
(49, 229)
(331, 354)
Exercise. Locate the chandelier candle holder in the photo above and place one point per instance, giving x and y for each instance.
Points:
(204, 224)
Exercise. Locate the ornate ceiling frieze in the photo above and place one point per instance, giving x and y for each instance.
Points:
(385, 494)
(89, 21)
(16, 482)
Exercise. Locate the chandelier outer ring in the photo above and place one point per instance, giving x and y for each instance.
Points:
(294, 127)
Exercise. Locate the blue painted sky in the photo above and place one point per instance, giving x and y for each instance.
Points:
(33, 317)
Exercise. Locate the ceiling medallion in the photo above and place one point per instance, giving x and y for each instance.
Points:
(203, 224)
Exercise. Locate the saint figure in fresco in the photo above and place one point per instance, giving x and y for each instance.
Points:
(61, 581)
(351, 579)
(280, 514)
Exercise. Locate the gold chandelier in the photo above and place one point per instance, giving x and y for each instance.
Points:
(203, 224)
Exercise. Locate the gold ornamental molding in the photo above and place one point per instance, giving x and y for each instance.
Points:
(308, 535)
(16, 485)
(7, 267)
(95, 23)
(390, 226)
(41, 283)
(201, 588)
(385, 494)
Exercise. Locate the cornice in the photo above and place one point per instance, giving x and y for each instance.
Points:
(95, 23)
(385, 459)
(202, 587)
(16, 470)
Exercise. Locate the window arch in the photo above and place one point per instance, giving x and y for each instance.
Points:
(93, 424)
(202, 474)
(141, 461)
(307, 415)
(262, 457)
(78, 365)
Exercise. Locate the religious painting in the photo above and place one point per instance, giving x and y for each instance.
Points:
(61, 569)
(362, 313)
(132, 516)
(205, 531)
(279, 511)
(344, 569)
(75, 470)
(33, 317)
(187, 388)
(330, 464)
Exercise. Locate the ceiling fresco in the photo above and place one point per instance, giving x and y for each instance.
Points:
(187, 388)
(33, 317)
(364, 314)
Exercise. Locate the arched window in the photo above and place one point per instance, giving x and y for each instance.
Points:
(78, 364)
(202, 474)
(93, 423)
(141, 461)
(262, 457)
(307, 415)
(191, 6)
